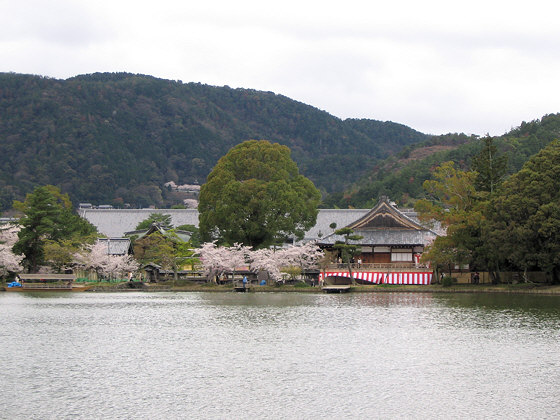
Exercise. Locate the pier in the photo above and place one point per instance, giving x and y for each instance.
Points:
(239, 286)
(340, 288)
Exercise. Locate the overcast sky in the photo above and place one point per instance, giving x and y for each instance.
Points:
(437, 66)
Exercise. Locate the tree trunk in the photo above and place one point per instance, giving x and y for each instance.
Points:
(556, 275)
(350, 272)
(349, 265)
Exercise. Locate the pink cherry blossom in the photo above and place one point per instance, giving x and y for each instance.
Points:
(9, 262)
(95, 257)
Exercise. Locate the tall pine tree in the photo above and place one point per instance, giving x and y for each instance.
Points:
(489, 165)
(47, 218)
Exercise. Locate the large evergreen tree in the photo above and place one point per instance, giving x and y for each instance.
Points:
(489, 165)
(47, 218)
(256, 195)
(453, 202)
(524, 217)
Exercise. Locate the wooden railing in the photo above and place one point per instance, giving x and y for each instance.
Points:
(378, 266)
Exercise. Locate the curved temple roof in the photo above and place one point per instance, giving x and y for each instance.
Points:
(385, 225)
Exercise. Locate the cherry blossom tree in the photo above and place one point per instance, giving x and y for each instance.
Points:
(297, 259)
(9, 262)
(95, 257)
(305, 256)
(120, 265)
(267, 260)
(219, 260)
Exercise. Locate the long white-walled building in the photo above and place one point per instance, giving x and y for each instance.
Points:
(115, 222)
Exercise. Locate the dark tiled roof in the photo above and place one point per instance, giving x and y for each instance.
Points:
(385, 225)
(116, 246)
(115, 222)
(342, 217)
(385, 216)
(386, 237)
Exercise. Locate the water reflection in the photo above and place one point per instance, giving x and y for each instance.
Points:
(501, 310)
(392, 299)
(281, 355)
(521, 302)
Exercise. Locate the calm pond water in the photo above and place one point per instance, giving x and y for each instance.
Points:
(279, 356)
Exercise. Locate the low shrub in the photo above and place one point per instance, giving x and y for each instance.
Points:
(447, 281)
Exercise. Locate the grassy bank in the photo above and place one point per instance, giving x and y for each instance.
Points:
(465, 288)
(302, 288)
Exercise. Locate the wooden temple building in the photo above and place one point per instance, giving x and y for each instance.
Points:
(391, 246)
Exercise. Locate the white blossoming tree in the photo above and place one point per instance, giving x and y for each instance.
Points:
(268, 260)
(9, 262)
(305, 256)
(220, 260)
(94, 257)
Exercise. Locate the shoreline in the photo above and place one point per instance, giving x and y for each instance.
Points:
(533, 289)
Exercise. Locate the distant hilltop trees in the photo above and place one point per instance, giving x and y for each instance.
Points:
(118, 138)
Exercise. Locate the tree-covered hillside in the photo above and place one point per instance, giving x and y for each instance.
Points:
(118, 138)
(401, 176)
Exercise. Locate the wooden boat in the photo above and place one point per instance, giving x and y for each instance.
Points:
(46, 283)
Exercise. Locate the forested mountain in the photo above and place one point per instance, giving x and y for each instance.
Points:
(401, 176)
(116, 138)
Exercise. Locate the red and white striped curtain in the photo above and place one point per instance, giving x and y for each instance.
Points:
(385, 278)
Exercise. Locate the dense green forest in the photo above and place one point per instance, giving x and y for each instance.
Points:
(401, 175)
(117, 138)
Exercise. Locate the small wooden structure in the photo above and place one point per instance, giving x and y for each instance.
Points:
(240, 286)
(155, 273)
(47, 283)
(336, 284)
(336, 288)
